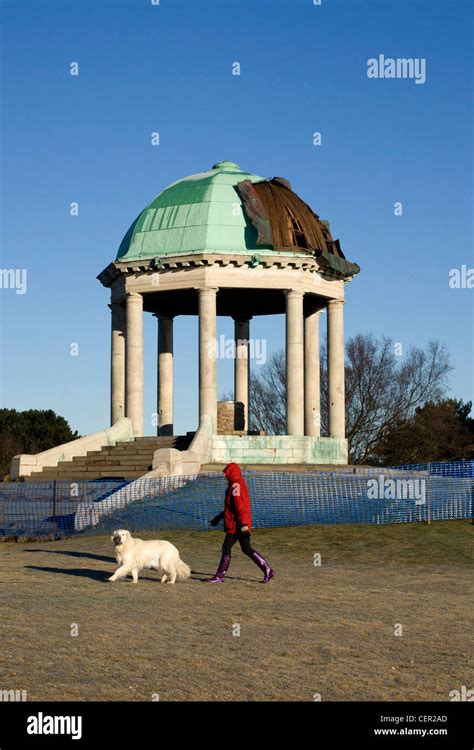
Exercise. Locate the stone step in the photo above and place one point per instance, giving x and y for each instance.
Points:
(130, 448)
(142, 469)
(128, 459)
(143, 449)
(133, 449)
(86, 476)
(139, 455)
(136, 465)
(111, 461)
(128, 476)
(151, 441)
(76, 465)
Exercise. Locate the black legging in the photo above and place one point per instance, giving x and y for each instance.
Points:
(244, 540)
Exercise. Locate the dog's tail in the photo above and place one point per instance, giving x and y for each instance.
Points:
(183, 571)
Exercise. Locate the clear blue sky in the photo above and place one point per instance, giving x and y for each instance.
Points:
(167, 68)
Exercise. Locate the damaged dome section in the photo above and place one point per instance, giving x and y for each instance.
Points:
(285, 222)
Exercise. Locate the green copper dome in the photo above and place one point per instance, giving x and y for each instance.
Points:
(200, 213)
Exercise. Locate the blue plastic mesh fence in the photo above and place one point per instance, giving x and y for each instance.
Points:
(279, 498)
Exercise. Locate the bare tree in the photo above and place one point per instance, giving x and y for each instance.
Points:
(268, 396)
(381, 390)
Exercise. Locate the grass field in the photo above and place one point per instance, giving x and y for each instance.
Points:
(325, 629)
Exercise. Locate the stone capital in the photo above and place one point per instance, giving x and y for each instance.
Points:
(314, 313)
(134, 297)
(293, 293)
(210, 290)
(164, 317)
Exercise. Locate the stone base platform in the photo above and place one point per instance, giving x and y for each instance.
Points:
(277, 449)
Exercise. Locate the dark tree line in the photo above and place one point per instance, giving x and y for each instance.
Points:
(30, 431)
(440, 431)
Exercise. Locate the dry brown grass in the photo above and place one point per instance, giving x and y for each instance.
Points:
(327, 630)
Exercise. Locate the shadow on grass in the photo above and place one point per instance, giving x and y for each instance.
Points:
(71, 553)
(97, 575)
(195, 573)
(100, 575)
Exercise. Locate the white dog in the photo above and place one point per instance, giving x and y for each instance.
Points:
(135, 554)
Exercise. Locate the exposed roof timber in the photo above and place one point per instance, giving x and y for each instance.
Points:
(283, 220)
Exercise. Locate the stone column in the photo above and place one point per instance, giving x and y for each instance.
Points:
(242, 365)
(134, 362)
(165, 375)
(336, 396)
(294, 363)
(117, 363)
(207, 354)
(312, 392)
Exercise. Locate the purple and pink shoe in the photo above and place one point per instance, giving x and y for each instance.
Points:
(221, 570)
(267, 570)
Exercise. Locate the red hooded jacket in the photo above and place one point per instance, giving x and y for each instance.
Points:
(237, 511)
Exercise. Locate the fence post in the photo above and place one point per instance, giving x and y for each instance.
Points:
(54, 527)
(428, 518)
(472, 503)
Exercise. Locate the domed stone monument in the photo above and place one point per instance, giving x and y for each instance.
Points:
(222, 242)
(228, 242)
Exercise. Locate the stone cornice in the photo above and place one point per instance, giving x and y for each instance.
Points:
(116, 269)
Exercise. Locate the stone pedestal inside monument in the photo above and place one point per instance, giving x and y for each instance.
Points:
(230, 417)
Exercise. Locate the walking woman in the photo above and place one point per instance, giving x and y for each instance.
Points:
(237, 517)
